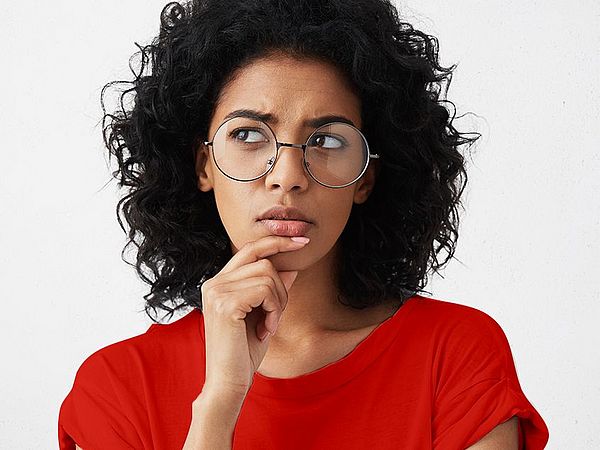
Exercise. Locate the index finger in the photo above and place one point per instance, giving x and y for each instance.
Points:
(259, 249)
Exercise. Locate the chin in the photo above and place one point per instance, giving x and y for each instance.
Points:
(287, 261)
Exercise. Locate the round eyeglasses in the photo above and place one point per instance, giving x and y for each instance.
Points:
(335, 154)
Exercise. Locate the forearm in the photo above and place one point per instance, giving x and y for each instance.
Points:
(214, 415)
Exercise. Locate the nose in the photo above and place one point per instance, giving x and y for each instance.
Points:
(288, 171)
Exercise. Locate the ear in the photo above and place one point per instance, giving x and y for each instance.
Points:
(364, 186)
(203, 168)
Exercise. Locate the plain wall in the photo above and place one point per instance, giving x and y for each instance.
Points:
(529, 238)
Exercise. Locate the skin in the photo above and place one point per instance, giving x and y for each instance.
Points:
(293, 91)
(503, 437)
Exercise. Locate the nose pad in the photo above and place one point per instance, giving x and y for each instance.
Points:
(271, 161)
(276, 158)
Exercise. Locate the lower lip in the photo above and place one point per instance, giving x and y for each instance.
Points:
(287, 227)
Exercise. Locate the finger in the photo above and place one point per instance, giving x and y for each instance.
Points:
(263, 267)
(261, 248)
(258, 293)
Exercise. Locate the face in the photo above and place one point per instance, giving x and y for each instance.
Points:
(292, 91)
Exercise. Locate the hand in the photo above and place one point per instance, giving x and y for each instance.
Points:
(241, 304)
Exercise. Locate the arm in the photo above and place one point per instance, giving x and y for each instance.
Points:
(504, 436)
(214, 416)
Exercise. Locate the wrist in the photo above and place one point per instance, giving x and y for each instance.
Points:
(225, 393)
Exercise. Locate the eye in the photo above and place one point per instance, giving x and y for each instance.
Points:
(241, 134)
(327, 141)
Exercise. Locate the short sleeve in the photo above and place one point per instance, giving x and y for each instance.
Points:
(91, 415)
(477, 386)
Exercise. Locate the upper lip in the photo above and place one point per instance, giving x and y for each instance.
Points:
(283, 212)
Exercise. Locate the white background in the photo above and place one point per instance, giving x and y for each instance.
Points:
(529, 239)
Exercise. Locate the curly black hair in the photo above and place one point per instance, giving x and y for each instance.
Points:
(390, 242)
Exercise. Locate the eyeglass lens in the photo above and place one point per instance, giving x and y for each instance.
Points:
(245, 149)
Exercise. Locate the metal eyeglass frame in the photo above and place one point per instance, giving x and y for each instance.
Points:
(302, 146)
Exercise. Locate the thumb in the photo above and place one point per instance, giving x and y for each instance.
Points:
(288, 278)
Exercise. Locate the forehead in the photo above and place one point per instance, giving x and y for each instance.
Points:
(292, 90)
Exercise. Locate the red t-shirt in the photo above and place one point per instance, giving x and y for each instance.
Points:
(435, 375)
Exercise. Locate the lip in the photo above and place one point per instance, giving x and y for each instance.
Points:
(287, 227)
(279, 212)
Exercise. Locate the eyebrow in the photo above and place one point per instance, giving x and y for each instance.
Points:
(270, 118)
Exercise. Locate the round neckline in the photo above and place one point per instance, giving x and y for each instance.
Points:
(337, 372)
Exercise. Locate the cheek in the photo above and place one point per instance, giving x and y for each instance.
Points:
(233, 209)
(333, 215)
(238, 207)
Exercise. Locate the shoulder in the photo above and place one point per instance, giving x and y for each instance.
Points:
(447, 319)
(461, 336)
(438, 308)
(127, 358)
(474, 383)
(116, 384)
(468, 350)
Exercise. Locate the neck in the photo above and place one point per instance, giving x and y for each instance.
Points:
(313, 311)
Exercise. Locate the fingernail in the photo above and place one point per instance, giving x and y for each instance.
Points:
(267, 334)
(302, 239)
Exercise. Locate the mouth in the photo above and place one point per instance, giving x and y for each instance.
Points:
(286, 227)
(285, 213)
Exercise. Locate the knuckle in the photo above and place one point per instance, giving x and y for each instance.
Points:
(264, 279)
(205, 286)
(212, 289)
(249, 246)
(265, 290)
(212, 294)
(268, 281)
(266, 264)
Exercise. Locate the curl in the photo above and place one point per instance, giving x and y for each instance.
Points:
(390, 243)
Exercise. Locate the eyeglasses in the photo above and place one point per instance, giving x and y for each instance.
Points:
(335, 154)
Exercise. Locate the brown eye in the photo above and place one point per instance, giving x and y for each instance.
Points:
(241, 134)
(327, 141)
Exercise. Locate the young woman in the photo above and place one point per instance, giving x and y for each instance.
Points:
(293, 174)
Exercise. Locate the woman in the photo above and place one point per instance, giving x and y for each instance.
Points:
(291, 166)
